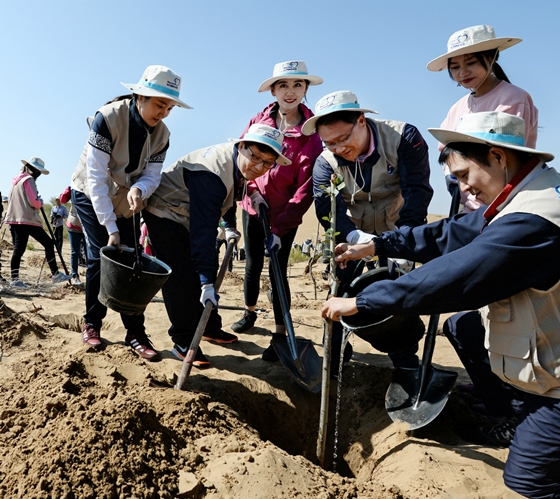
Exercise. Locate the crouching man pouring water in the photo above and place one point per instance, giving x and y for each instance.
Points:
(472, 262)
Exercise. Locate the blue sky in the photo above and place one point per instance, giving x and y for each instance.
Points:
(60, 60)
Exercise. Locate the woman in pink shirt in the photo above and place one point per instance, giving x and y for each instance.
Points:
(24, 219)
(472, 61)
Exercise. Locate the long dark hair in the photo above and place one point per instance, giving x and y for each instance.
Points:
(483, 57)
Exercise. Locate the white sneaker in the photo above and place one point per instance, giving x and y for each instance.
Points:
(18, 284)
(60, 277)
(75, 281)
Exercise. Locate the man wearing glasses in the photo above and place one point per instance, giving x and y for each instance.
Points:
(182, 216)
(386, 172)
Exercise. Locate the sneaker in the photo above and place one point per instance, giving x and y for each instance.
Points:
(17, 283)
(500, 435)
(75, 281)
(200, 359)
(60, 277)
(247, 322)
(270, 355)
(220, 336)
(91, 336)
(141, 345)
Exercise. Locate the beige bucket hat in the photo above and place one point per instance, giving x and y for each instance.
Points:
(36, 163)
(294, 70)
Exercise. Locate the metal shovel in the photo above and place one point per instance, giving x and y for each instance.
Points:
(417, 395)
(298, 356)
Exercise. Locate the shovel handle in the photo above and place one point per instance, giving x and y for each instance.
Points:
(187, 364)
(282, 294)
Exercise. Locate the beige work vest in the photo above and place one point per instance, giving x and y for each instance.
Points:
(523, 331)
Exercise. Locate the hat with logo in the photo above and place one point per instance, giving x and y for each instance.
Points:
(493, 128)
(158, 81)
(469, 40)
(271, 137)
(342, 100)
(36, 163)
(294, 70)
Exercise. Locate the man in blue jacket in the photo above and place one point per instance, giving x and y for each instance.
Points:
(386, 172)
(503, 261)
(182, 215)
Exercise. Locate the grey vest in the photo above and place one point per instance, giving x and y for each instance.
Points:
(376, 210)
(172, 200)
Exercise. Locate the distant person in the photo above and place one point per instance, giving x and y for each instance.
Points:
(59, 214)
(24, 205)
(286, 193)
(306, 247)
(182, 216)
(2, 280)
(386, 172)
(145, 238)
(472, 62)
(118, 170)
(75, 235)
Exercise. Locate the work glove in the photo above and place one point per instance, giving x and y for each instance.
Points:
(233, 234)
(405, 265)
(451, 182)
(209, 294)
(257, 201)
(272, 245)
(358, 237)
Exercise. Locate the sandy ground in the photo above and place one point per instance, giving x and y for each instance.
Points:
(76, 423)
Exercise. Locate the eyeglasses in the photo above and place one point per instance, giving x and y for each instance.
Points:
(339, 143)
(257, 160)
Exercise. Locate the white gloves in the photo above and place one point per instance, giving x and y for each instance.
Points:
(358, 237)
(233, 234)
(209, 294)
(257, 201)
(405, 265)
(272, 245)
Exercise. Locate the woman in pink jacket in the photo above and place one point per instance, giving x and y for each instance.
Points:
(287, 191)
(24, 219)
(472, 61)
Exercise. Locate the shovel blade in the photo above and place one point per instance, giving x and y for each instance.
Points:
(307, 371)
(404, 402)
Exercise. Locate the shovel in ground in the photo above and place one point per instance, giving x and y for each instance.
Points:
(187, 364)
(298, 356)
(417, 395)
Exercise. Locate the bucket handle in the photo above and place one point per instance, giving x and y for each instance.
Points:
(137, 267)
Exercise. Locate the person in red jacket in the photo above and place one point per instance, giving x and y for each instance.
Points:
(287, 192)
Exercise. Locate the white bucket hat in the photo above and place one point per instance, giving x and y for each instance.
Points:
(294, 70)
(469, 40)
(271, 137)
(342, 100)
(36, 163)
(493, 128)
(158, 81)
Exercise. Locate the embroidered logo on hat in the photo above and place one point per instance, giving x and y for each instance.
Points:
(461, 40)
(328, 102)
(176, 83)
(272, 134)
(291, 66)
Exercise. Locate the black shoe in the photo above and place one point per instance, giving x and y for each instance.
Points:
(245, 323)
(270, 355)
(219, 336)
(501, 434)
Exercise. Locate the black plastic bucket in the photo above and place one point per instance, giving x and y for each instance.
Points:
(386, 333)
(125, 289)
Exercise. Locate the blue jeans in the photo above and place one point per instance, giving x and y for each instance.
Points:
(533, 464)
(75, 241)
(96, 237)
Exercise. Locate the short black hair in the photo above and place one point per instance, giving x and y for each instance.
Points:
(260, 147)
(349, 117)
(476, 151)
